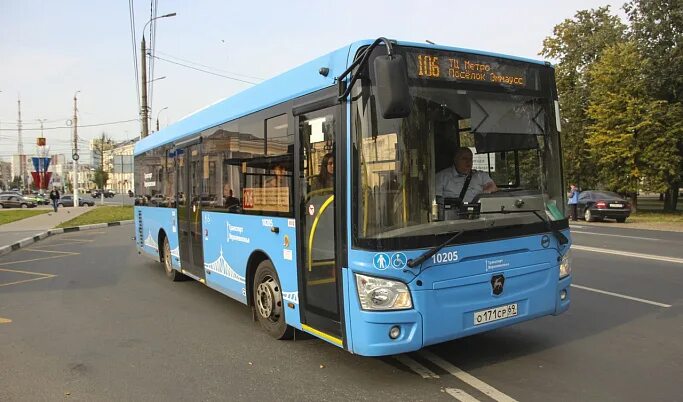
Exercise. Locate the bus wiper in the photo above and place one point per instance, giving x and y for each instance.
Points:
(419, 260)
(561, 238)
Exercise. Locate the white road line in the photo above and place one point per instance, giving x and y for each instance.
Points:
(622, 296)
(629, 254)
(576, 226)
(467, 378)
(461, 395)
(613, 235)
(416, 367)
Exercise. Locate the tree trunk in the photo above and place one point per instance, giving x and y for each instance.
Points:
(634, 202)
(671, 198)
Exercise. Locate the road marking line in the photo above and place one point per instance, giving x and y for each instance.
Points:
(622, 296)
(461, 395)
(629, 254)
(25, 272)
(27, 280)
(576, 226)
(613, 235)
(467, 378)
(48, 251)
(5, 320)
(416, 366)
(39, 259)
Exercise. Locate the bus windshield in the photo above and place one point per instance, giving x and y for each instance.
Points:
(501, 110)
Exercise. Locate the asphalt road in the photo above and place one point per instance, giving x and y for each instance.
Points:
(83, 317)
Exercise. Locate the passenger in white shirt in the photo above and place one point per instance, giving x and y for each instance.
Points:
(449, 181)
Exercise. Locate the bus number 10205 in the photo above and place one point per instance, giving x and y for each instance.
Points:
(445, 257)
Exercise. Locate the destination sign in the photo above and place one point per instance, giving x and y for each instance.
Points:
(472, 68)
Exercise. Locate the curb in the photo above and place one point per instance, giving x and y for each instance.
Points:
(40, 236)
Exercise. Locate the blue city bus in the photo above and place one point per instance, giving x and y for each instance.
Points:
(311, 197)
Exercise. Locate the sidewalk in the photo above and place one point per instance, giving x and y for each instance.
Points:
(18, 230)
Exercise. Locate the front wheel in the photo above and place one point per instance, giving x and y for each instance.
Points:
(268, 302)
(24, 205)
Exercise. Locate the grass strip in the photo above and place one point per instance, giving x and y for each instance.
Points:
(7, 216)
(104, 214)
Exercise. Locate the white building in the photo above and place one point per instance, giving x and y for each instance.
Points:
(118, 162)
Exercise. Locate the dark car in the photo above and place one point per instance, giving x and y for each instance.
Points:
(15, 201)
(68, 201)
(98, 192)
(598, 205)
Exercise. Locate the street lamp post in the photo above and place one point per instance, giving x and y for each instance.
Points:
(158, 113)
(144, 112)
(75, 156)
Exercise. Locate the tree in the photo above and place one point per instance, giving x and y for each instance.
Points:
(657, 28)
(101, 146)
(100, 178)
(16, 182)
(577, 43)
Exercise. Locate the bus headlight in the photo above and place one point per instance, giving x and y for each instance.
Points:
(382, 294)
(565, 266)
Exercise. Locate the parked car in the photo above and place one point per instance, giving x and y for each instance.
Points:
(39, 199)
(15, 201)
(98, 192)
(597, 205)
(68, 201)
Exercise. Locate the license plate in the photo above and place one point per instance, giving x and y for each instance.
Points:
(495, 314)
(616, 205)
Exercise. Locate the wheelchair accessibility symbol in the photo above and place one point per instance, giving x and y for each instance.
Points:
(381, 261)
(398, 260)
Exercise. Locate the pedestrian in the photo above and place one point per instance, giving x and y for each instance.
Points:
(573, 201)
(54, 196)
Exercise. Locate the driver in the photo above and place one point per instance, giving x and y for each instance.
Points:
(450, 181)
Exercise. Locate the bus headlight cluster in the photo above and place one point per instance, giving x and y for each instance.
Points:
(565, 266)
(382, 294)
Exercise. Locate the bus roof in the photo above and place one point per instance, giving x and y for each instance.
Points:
(289, 85)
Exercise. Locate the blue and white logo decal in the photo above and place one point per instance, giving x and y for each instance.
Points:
(381, 261)
(398, 260)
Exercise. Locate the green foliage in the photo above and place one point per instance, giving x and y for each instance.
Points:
(617, 109)
(577, 43)
(100, 178)
(16, 182)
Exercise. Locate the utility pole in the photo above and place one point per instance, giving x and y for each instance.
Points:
(20, 146)
(75, 156)
(144, 111)
(143, 102)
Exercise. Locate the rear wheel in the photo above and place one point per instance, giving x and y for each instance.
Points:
(268, 302)
(166, 261)
(2, 206)
(588, 216)
(621, 220)
(60, 205)
(24, 205)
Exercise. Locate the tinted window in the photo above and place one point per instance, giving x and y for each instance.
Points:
(606, 194)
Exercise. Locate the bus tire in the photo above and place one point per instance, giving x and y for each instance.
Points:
(268, 302)
(166, 261)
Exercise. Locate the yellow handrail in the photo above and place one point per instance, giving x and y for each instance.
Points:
(313, 229)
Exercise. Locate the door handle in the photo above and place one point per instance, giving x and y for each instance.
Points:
(275, 229)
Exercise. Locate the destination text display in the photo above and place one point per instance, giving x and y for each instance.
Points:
(471, 68)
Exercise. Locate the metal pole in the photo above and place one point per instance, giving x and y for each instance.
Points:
(75, 154)
(143, 102)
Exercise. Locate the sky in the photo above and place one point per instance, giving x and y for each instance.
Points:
(50, 49)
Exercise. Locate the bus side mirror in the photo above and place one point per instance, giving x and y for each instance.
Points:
(391, 78)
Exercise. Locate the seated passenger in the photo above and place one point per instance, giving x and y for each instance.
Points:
(324, 179)
(450, 181)
(230, 201)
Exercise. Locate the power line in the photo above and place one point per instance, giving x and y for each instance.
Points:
(205, 71)
(135, 53)
(209, 67)
(80, 126)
